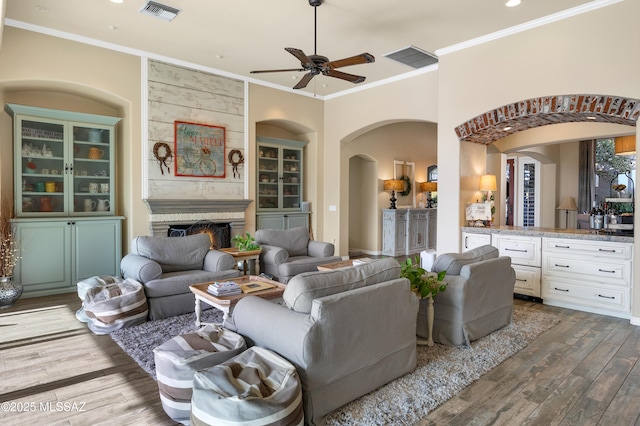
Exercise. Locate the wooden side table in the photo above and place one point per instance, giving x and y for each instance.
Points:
(245, 257)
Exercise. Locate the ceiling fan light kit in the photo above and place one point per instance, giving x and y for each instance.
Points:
(317, 64)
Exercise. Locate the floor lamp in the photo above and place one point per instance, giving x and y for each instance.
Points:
(567, 204)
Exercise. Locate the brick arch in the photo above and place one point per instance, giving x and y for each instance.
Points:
(535, 112)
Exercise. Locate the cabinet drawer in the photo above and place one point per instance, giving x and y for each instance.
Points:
(622, 251)
(596, 270)
(574, 292)
(521, 250)
(471, 241)
(527, 280)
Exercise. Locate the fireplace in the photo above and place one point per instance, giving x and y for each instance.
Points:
(183, 213)
(219, 233)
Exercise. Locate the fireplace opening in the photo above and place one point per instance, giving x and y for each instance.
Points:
(219, 233)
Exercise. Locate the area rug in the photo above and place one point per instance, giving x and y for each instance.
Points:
(442, 371)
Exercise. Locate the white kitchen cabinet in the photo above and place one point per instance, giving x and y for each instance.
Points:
(594, 276)
(472, 240)
(525, 253)
(59, 252)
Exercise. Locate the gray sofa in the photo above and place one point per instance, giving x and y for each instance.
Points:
(287, 253)
(167, 266)
(347, 331)
(478, 299)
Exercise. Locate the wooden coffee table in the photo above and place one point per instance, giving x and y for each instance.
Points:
(226, 303)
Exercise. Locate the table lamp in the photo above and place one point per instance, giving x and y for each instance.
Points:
(393, 185)
(567, 204)
(429, 187)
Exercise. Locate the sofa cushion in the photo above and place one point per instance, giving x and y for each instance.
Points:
(178, 282)
(294, 240)
(304, 288)
(453, 262)
(173, 253)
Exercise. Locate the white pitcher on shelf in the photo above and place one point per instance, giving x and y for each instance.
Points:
(103, 205)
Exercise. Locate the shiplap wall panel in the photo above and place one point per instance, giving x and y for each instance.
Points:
(183, 94)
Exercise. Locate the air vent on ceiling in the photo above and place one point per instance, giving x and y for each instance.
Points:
(159, 10)
(413, 56)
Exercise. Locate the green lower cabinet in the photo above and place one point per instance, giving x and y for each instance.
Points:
(57, 253)
(282, 220)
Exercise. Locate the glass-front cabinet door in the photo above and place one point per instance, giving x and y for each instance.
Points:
(64, 162)
(279, 174)
(93, 168)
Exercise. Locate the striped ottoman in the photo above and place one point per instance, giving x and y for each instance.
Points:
(115, 306)
(85, 285)
(257, 387)
(179, 358)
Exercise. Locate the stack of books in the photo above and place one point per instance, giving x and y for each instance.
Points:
(224, 288)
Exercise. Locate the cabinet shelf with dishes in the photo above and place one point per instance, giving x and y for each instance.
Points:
(280, 171)
(64, 163)
(64, 195)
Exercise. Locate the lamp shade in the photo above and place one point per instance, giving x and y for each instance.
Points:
(625, 145)
(394, 185)
(428, 186)
(568, 203)
(488, 183)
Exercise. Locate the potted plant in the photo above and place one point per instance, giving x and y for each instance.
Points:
(10, 291)
(245, 242)
(425, 285)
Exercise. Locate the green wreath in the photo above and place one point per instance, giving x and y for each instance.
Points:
(407, 190)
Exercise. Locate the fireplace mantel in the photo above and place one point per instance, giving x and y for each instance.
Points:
(183, 211)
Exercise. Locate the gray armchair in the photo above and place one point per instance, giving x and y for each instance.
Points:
(478, 299)
(287, 253)
(167, 266)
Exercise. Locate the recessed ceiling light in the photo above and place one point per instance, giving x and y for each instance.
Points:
(591, 118)
(513, 3)
(113, 27)
(506, 129)
(117, 1)
(219, 56)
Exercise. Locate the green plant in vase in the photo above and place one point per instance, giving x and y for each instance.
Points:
(245, 242)
(425, 285)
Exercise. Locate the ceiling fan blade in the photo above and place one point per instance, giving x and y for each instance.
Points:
(363, 58)
(283, 70)
(345, 76)
(304, 81)
(301, 56)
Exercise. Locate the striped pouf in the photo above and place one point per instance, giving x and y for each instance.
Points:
(85, 285)
(257, 387)
(179, 358)
(115, 306)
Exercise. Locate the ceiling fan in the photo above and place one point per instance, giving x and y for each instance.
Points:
(317, 64)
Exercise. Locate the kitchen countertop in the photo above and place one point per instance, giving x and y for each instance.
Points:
(578, 234)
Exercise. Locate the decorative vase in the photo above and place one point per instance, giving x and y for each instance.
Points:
(9, 292)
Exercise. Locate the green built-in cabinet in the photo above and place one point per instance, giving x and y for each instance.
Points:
(279, 185)
(65, 197)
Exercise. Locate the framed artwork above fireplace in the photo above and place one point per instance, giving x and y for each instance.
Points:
(199, 150)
